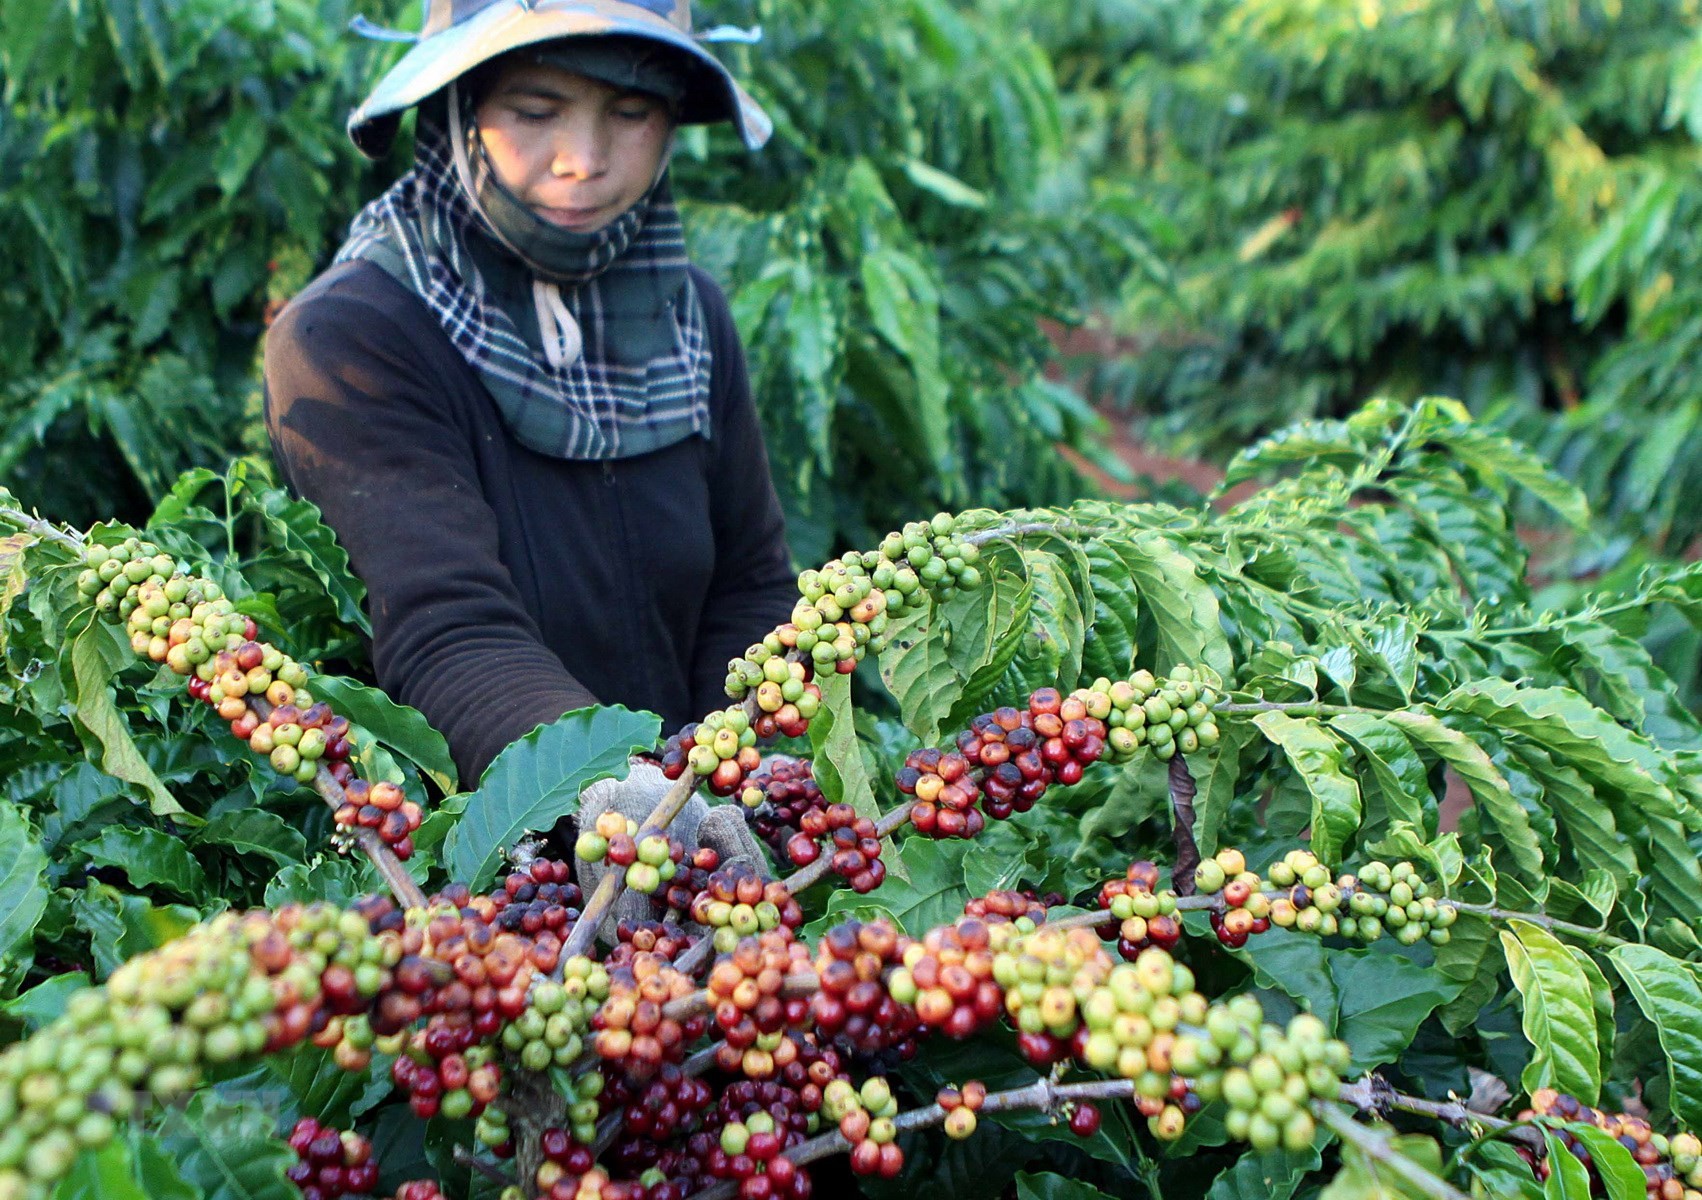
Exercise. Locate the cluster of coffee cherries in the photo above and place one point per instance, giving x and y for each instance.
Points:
(1008, 904)
(381, 807)
(1171, 714)
(550, 1032)
(787, 696)
(852, 1007)
(736, 902)
(1394, 900)
(1672, 1167)
(1146, 916)
(777, 797)
(1268, 1077)
(947, 978)
(112, 577)
(846, 607)
(187, 623)
(633, 1031)
(330, 1163)
(234, 987)
(1005, 761)
(746, 990)
(295, 739)
(961, 1104)
(749, 1153)
(180, 621)
(866, 1119)
(649, 861)
(853, 845)
(1302, 894)
(720, 749)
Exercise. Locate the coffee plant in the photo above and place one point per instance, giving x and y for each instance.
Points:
(1284, 849)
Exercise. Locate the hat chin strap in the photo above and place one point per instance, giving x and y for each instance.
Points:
(563, 340)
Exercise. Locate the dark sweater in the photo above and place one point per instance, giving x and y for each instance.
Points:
(506, 587)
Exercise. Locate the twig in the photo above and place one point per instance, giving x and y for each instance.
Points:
(1377, 1149)
(893, 821)
(466, 1158)
(798, 983)
(395, 875)
(613, 883)
(1042, 1094)
(42, 529)
(1182, 792)
(1584, 932)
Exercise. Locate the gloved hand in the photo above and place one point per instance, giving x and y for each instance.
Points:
(721, 829)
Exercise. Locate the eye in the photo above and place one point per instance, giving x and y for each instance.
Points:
(530, 116)
(634, 112)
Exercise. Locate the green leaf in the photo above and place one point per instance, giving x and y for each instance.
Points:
(904, 306)
(1363, 1177)
(1265, 1175)
(324, 1090)
(1601, 1002)
(1670, 997)
(23, 885)
(1217, 778)
(1179, 606)
(1396, 788)
(229, 1149)
(1384, 998)
(250, 831)
(1495, 457)
(1113, 634)
(1619, 1172)
(1619, 674)
(985, 653)
(1316, 754)
(149, 858)
(1054, 1187)
(1586, 823)
(838, 756)
(104, 1174)
(1559, 1013)
(157, 1171)
(99, 714)
(1578, 733)
(45, 1002)
(1488, 786)
(297, 528)
(403, 729)
(934, 894)
(121, 926)
(947, 187)
(537, 781)
(1050, 655)
(1568, 1179)
(917, 670)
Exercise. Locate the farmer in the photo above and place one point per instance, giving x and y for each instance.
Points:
(521, 408)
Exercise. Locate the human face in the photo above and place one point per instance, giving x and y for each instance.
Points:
(576, 151)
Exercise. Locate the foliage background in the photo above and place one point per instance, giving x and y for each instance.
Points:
(1495, 201)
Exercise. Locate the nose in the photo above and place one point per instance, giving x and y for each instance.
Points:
(581, 148)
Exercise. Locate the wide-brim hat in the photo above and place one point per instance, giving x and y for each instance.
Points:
(458, 35)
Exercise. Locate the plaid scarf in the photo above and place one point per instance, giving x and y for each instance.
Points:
(638, 378)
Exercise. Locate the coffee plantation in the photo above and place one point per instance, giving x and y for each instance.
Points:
(1142, 866)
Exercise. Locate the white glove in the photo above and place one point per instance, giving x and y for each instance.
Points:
(722, 829)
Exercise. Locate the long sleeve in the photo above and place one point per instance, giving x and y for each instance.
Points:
(357, 409)
(753, 588)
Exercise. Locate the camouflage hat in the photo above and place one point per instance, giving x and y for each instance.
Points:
(459, 35)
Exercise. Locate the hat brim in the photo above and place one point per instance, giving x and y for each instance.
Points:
(439, 60)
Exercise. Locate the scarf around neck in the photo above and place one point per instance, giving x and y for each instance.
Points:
(594, 346)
